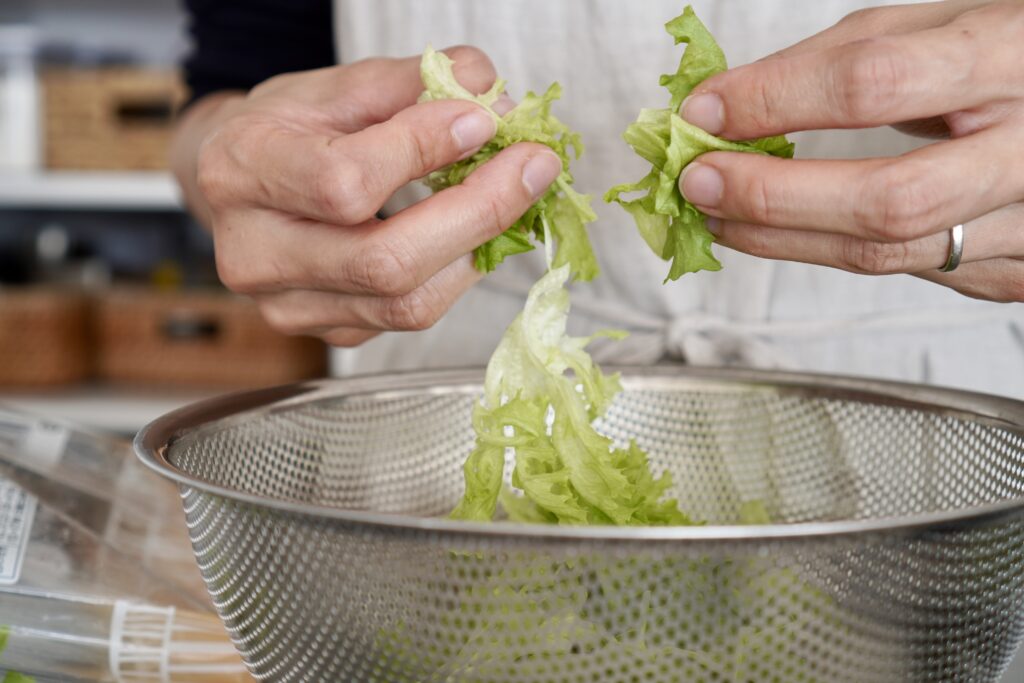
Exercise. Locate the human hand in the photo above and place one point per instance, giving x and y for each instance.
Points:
(292, 178)
(952, 68)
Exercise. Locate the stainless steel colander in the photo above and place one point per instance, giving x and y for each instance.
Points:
(895, 552)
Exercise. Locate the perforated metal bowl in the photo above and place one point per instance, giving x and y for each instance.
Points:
(896, 551)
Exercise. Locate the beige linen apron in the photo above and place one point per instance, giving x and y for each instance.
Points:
(608, 55)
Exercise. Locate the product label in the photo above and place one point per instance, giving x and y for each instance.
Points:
(17, 508)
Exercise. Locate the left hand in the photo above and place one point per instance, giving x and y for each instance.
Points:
(952, 68)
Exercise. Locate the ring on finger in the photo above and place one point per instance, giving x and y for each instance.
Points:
(956, 249)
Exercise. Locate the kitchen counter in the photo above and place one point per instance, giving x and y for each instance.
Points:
(110, 409)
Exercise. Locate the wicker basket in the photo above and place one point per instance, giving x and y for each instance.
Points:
(110, 119)
(45, 338)
(197, 339)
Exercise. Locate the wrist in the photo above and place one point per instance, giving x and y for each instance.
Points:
(193, 127)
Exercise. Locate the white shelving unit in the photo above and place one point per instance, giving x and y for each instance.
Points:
(105, 408)
(138, 191)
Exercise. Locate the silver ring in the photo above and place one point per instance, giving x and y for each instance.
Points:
(956, 249)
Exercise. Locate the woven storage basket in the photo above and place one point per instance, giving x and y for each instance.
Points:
(44, 337)
(110, 119)
(197, 339)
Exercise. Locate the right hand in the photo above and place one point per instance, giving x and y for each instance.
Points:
(294, 175)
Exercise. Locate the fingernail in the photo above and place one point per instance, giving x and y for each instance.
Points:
(706, 111)
(540, 171)
(471, 131)
(503, 105)
(702, 185)
(714, 225)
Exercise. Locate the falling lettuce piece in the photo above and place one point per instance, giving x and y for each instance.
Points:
(561, 212)
(673, 228)
(542, 393)
(535, 615)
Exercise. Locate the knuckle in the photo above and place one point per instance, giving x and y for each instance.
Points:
(235, 273)
(870, 76)
(766, 113)
(281, 318)
(385, 270)
(876, 258)
(497, 212)
(343, 190)
(415, 311)
(757, 196)
(901, 201)
(225, 160)
(242, 270)
(212, 174)
(355, 76)
(422, 148)
(867, 21)
(857, 17)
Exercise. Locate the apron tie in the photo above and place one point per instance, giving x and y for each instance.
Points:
(696, 338)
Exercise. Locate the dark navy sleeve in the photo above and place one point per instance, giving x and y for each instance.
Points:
(237, 44)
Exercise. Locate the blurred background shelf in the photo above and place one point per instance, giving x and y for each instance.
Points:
(128, 190)
(111, 409)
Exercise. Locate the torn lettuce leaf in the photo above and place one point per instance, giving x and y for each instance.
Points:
(672, 227)
(702, 60)
(562, 210)
(542, 393)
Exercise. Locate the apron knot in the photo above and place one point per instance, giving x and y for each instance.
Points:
(703, 339)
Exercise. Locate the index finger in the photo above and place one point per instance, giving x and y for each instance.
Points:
(866, 83)
(880, 21)
(886, 200)
(374, 90)
(344, 180)
(384, 258)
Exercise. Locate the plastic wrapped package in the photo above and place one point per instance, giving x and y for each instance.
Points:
(120, 641)
(89, 584)
(96, 480)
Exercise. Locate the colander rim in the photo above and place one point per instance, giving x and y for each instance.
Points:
(152, 442)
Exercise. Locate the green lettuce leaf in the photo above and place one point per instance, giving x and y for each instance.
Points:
(15, 677)
(562, 212)
(439, 82)
(702, 59)
(673, 228)
(542, 393)
(11, 676)
(710, 619)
